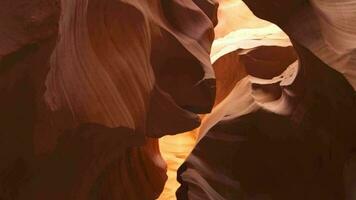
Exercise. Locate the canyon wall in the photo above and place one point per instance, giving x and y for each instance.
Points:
(88, 86)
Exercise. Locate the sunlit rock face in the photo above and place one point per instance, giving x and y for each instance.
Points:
(235, 15)
(282, 128)
(238, 32)
(324, 27)
(88, 84)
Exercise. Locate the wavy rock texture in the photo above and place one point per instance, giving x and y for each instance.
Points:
(84, 92)
(88, 87)
(279, 129)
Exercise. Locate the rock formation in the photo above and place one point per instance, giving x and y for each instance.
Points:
(88, 86)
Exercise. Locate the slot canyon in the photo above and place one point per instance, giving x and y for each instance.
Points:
(177, 99)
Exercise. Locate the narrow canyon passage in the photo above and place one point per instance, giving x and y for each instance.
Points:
(177, 99)
(237, 28)
(175, 149)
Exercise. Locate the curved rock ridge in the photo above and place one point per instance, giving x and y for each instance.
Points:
(85, 92)
(228, 51)
(255, 84)
(324, 27)
(92, 45)
(249, 38)
(99, 43)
